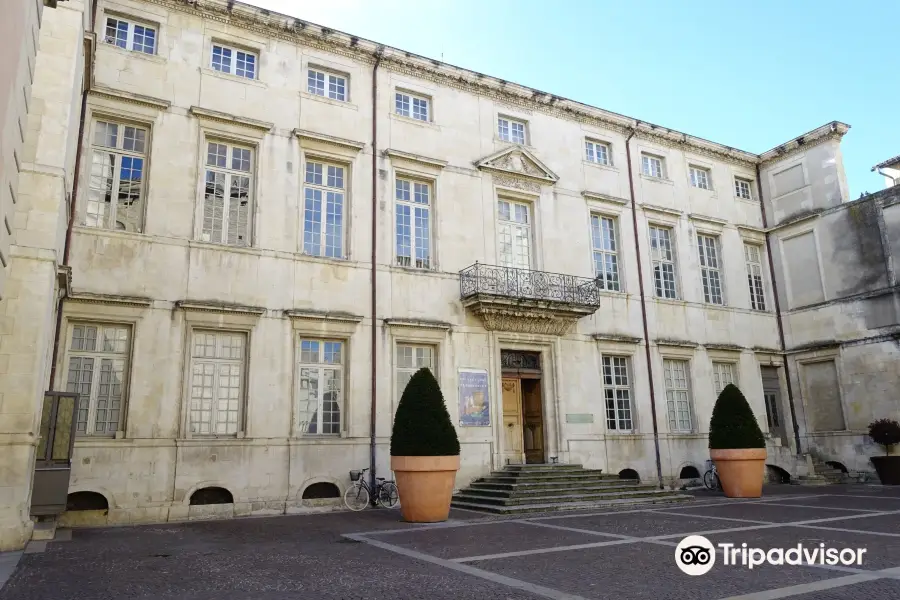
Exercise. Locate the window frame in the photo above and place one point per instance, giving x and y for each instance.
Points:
(434, 347)
(591, 154)
(614, 253)
(708, 272)
(617, 418)
(429, 186)
(661, 261)
(327, 76)
(694, 173)
(646, 163)
(672, 412)
(717, 376)
(321, 367)
(230, 174)
(411, 98)
(325, 189)
(510, 121)
(529, 230)
(98, 355)
(756, 303)
(749, 183)
(111, 217)
(233, 60)
(209, 329)
(130, 33)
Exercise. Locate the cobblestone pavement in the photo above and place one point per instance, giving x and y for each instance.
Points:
(591, 555)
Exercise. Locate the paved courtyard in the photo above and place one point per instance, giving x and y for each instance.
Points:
(596, 555)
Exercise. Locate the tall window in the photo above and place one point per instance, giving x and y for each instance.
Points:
(723, 374)
(97, 368)
(617, 393)
(226, 203)
(606, 249)
(514, 232)
(130, 36)
(413, 223)
(323, 210)
(116, 193)
(652, 166)
(325, 84)
(217, 382)
(597, 152)
(753, 256)
(678, 394)
(408, 105)
(700, 178)
(743, 188)
(320, 393)
(663, 258)
(511, 131)
(233, 61)
(710, 269)
(411, 358)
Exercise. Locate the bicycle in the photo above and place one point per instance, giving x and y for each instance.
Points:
(711, 479)
(358, 495)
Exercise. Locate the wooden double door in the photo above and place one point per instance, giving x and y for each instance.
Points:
(523, 421)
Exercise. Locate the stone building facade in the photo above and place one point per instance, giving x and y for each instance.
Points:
(276, 223)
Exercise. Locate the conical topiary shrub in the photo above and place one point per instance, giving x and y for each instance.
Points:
(737, 445)
(733, 424)
(424, 451)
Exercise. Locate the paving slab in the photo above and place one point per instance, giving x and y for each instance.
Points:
(642, 524)
(761, 512)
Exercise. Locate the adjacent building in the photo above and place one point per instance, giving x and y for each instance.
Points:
(275, 224)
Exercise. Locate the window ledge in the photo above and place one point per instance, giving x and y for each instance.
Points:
(416, 270)
(154, 58)
(417, 122)
(597, 165)
(327, 100)
(711, 192)
(748, 200)
(230, 77)
(200, 244)
(657, 179)
(323, 259)
(497, 140)
(673, 301)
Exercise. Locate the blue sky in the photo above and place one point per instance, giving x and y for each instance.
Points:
(750, 75)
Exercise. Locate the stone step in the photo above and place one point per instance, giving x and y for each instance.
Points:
(544, 467)
(513, 488)
(44, 530)
(507, 477)
(472, 496)
(567, 491)
(661, 498)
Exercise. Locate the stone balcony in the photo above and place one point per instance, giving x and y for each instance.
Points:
(526, 301)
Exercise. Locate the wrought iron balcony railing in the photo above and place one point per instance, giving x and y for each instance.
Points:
(525, 284)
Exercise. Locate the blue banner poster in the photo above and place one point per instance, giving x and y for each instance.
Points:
(474, 401)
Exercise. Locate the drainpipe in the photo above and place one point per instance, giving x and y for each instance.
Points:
(374, 233)
(787, 372)
(86, 85)
(886, 176)
(637, 249)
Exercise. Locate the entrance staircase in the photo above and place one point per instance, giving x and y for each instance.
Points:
(554, 487)
(821, 474)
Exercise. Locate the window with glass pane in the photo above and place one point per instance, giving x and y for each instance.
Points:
(597, 152)
(233, 61)
(511, 131)
(723, 374)
(411, 358)
(606, 251)
(651, 166)
(753, 256)
(710, 268)
(323, 210)
(678, 395)
(700, 178)
(320, 386)
(413, 205)
(663, 259)
(514, 234)
(97, 367)
(116, 185)
(328, 85)
(130, 36)
(617, 393)
(227, 195)
(217, 382)
(743, 188)
(408, 105)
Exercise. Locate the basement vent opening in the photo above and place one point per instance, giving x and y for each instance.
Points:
(323, 489)
(211, 495)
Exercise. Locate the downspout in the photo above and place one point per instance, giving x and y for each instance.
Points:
(787, 372)
(86, 85)
(637, 249)
(886, 176)
(374, 233)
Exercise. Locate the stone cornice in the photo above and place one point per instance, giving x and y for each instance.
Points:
(407, 156)
(315, 315)
(707, 219)
(303, 134)
(418, 323)
(109, 299)
(597, 196)
(652, 208)
(619, 339)
(724, 347)
(676, 343)
(220, 117)
(219, 307)
(834, 130)
(130, 98)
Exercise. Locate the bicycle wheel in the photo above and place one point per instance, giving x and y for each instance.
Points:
(356, 497)
(389, 496)
(709, 480)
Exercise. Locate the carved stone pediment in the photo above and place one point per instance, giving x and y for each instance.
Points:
(518, 162)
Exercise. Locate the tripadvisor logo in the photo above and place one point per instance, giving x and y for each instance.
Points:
(696, 555)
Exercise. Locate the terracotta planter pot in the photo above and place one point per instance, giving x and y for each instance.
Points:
(426, 485)
(888, 469)
(741, 471)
